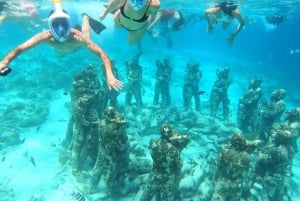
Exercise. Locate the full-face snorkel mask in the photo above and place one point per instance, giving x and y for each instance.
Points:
(59, 24)
(137, 4)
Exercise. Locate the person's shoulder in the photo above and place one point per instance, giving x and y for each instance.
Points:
(155, 4)
(77, 35)
(75, 31)
(212, 10)
(44, 35)
(236, 13)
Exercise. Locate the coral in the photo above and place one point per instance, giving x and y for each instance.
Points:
(6, 193)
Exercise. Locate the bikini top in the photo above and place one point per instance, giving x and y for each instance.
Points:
(142, 19)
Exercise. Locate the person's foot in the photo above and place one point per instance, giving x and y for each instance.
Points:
(95, 25)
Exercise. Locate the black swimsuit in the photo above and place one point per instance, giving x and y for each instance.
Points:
(144, 18)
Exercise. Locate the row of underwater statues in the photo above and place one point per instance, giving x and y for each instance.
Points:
(252, 116)
(244, 169)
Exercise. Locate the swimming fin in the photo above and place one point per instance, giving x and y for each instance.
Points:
(96, 26)
(4, 71)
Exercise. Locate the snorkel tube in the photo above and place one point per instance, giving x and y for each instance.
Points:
(59, 22)
(57, 5)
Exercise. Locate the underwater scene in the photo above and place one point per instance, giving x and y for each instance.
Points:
(149, 100)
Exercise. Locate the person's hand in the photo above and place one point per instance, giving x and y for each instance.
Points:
(102, 16)
(230, 40)
(210, 29)
(112, 82)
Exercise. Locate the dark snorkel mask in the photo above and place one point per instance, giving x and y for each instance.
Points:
(227, 7)
(59, 24)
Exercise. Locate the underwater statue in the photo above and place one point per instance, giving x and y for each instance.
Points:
(113, 154)
(219, 94)
(134, 82)
(248, 105)
(191, 86)
(162, 88)
(232, 178)
(270, 113)
(166, 172)
(82, 133)
(272, 179)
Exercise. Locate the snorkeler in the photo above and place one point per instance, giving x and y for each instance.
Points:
(23, 13)
(65, 40)
(225, 12)
(169, 20)
(133, 15)
(275, 19)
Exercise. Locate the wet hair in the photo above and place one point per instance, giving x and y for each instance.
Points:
(227, 7)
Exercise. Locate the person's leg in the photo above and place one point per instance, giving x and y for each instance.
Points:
(135, 36)
(86, 30)
(117, 19)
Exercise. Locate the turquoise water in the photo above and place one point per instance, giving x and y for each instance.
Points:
(35, 102)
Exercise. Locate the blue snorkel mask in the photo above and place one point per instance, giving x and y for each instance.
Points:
(59, 25)
(137, 4)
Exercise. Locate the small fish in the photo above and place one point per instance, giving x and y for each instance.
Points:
(32, 161)
(77, 196)
(65, 93)
(23, 140)
(38, 128)
(201, 92)
(295, 51)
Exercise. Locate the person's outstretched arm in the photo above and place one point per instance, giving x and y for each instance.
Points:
(112, 82)
(112, 5)
(207, 14)
(154, 20)
(23, 47)
(240, 26)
